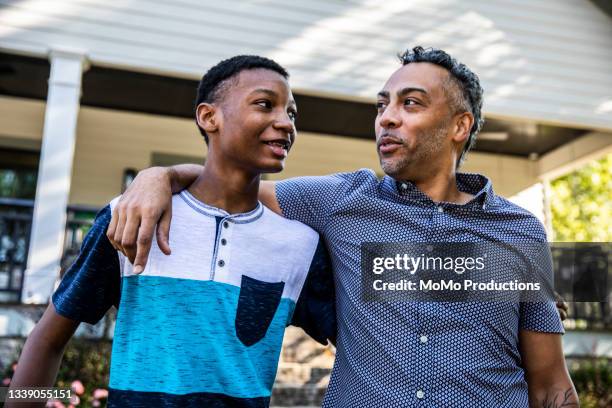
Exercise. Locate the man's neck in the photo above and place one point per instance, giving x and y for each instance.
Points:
(226, 187)
(441, 186)
(443, 189)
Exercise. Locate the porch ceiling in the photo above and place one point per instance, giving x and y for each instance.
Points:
(161, 95)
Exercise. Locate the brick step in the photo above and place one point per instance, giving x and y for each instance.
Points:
(296, 373)
(297, 396)
(299, 348)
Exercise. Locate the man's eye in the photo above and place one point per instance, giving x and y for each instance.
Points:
(264, 104)
(410, 102)
(380, 105)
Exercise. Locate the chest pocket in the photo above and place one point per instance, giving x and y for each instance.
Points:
(257, 306)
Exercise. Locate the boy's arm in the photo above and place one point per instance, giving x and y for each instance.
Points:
(90, 286)
(42, 354)
(146, 208)
(547, 377)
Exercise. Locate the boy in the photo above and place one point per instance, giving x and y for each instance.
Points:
(204, 325)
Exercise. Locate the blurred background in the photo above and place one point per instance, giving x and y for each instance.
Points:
(93, 91)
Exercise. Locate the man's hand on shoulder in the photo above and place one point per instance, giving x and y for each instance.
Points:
(144, 208)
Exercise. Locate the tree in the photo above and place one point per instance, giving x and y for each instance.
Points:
(581, 203)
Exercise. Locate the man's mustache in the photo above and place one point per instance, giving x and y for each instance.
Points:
(388, 138)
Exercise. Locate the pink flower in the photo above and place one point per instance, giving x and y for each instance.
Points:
(74, 400)
(58, 404)
(95, 403)
(100, 393)
(77, 387)
(6, 382)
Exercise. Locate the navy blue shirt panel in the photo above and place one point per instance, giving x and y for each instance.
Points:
(92, 284)
(315, 311)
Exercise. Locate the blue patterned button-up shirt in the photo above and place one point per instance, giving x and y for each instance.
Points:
(418, 354)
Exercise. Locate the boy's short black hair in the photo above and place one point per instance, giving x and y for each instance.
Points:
(215, 82)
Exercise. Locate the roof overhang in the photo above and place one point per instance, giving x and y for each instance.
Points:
(125, 90)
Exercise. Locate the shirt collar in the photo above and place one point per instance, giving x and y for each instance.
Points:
(211, 211)
(475, 184)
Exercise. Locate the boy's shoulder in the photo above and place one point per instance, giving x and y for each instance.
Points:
(290, 228)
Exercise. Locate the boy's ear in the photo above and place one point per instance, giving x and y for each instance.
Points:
(206, 117)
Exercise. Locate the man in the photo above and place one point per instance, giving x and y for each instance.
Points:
(203, 327)
(399, 354)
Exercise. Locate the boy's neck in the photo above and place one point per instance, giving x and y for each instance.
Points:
(226, 187)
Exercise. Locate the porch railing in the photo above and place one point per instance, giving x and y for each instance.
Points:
(15, 226)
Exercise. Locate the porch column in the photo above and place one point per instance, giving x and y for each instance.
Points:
(54, 173)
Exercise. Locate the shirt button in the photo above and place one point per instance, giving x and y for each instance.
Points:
(423, 339)
(223, 241)
(225, 224)
(404, 186)
(420, 394)
(440, 209)
(221, 263)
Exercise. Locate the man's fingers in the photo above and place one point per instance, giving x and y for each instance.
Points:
(130, 234)
(163, 231)
(562, 306)
(122, 215)
(110, 232)
(143, 244)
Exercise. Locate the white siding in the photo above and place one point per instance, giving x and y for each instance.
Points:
(549, 61)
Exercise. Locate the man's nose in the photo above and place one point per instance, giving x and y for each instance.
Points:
(389, 119)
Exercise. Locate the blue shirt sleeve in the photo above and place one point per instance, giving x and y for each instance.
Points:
(91, 285)
(315, 311)
(540, 316)
(310, 200)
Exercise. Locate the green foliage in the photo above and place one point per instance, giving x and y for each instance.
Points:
(593, 381)
(581, 203)
(86, 365)
(87, 362)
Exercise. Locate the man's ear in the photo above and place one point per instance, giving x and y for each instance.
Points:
(206, 116)
(463, 125)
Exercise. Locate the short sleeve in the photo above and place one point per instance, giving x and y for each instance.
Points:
(310, 200)
(540, 317)
(315, 311)
(91, 285)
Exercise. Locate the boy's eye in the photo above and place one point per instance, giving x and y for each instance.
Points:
(292, 115)
(264, 104)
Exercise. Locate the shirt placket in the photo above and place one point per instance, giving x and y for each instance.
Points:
(221, 256)
(425, 339)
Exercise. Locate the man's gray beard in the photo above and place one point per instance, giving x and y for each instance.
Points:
(428, 147)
